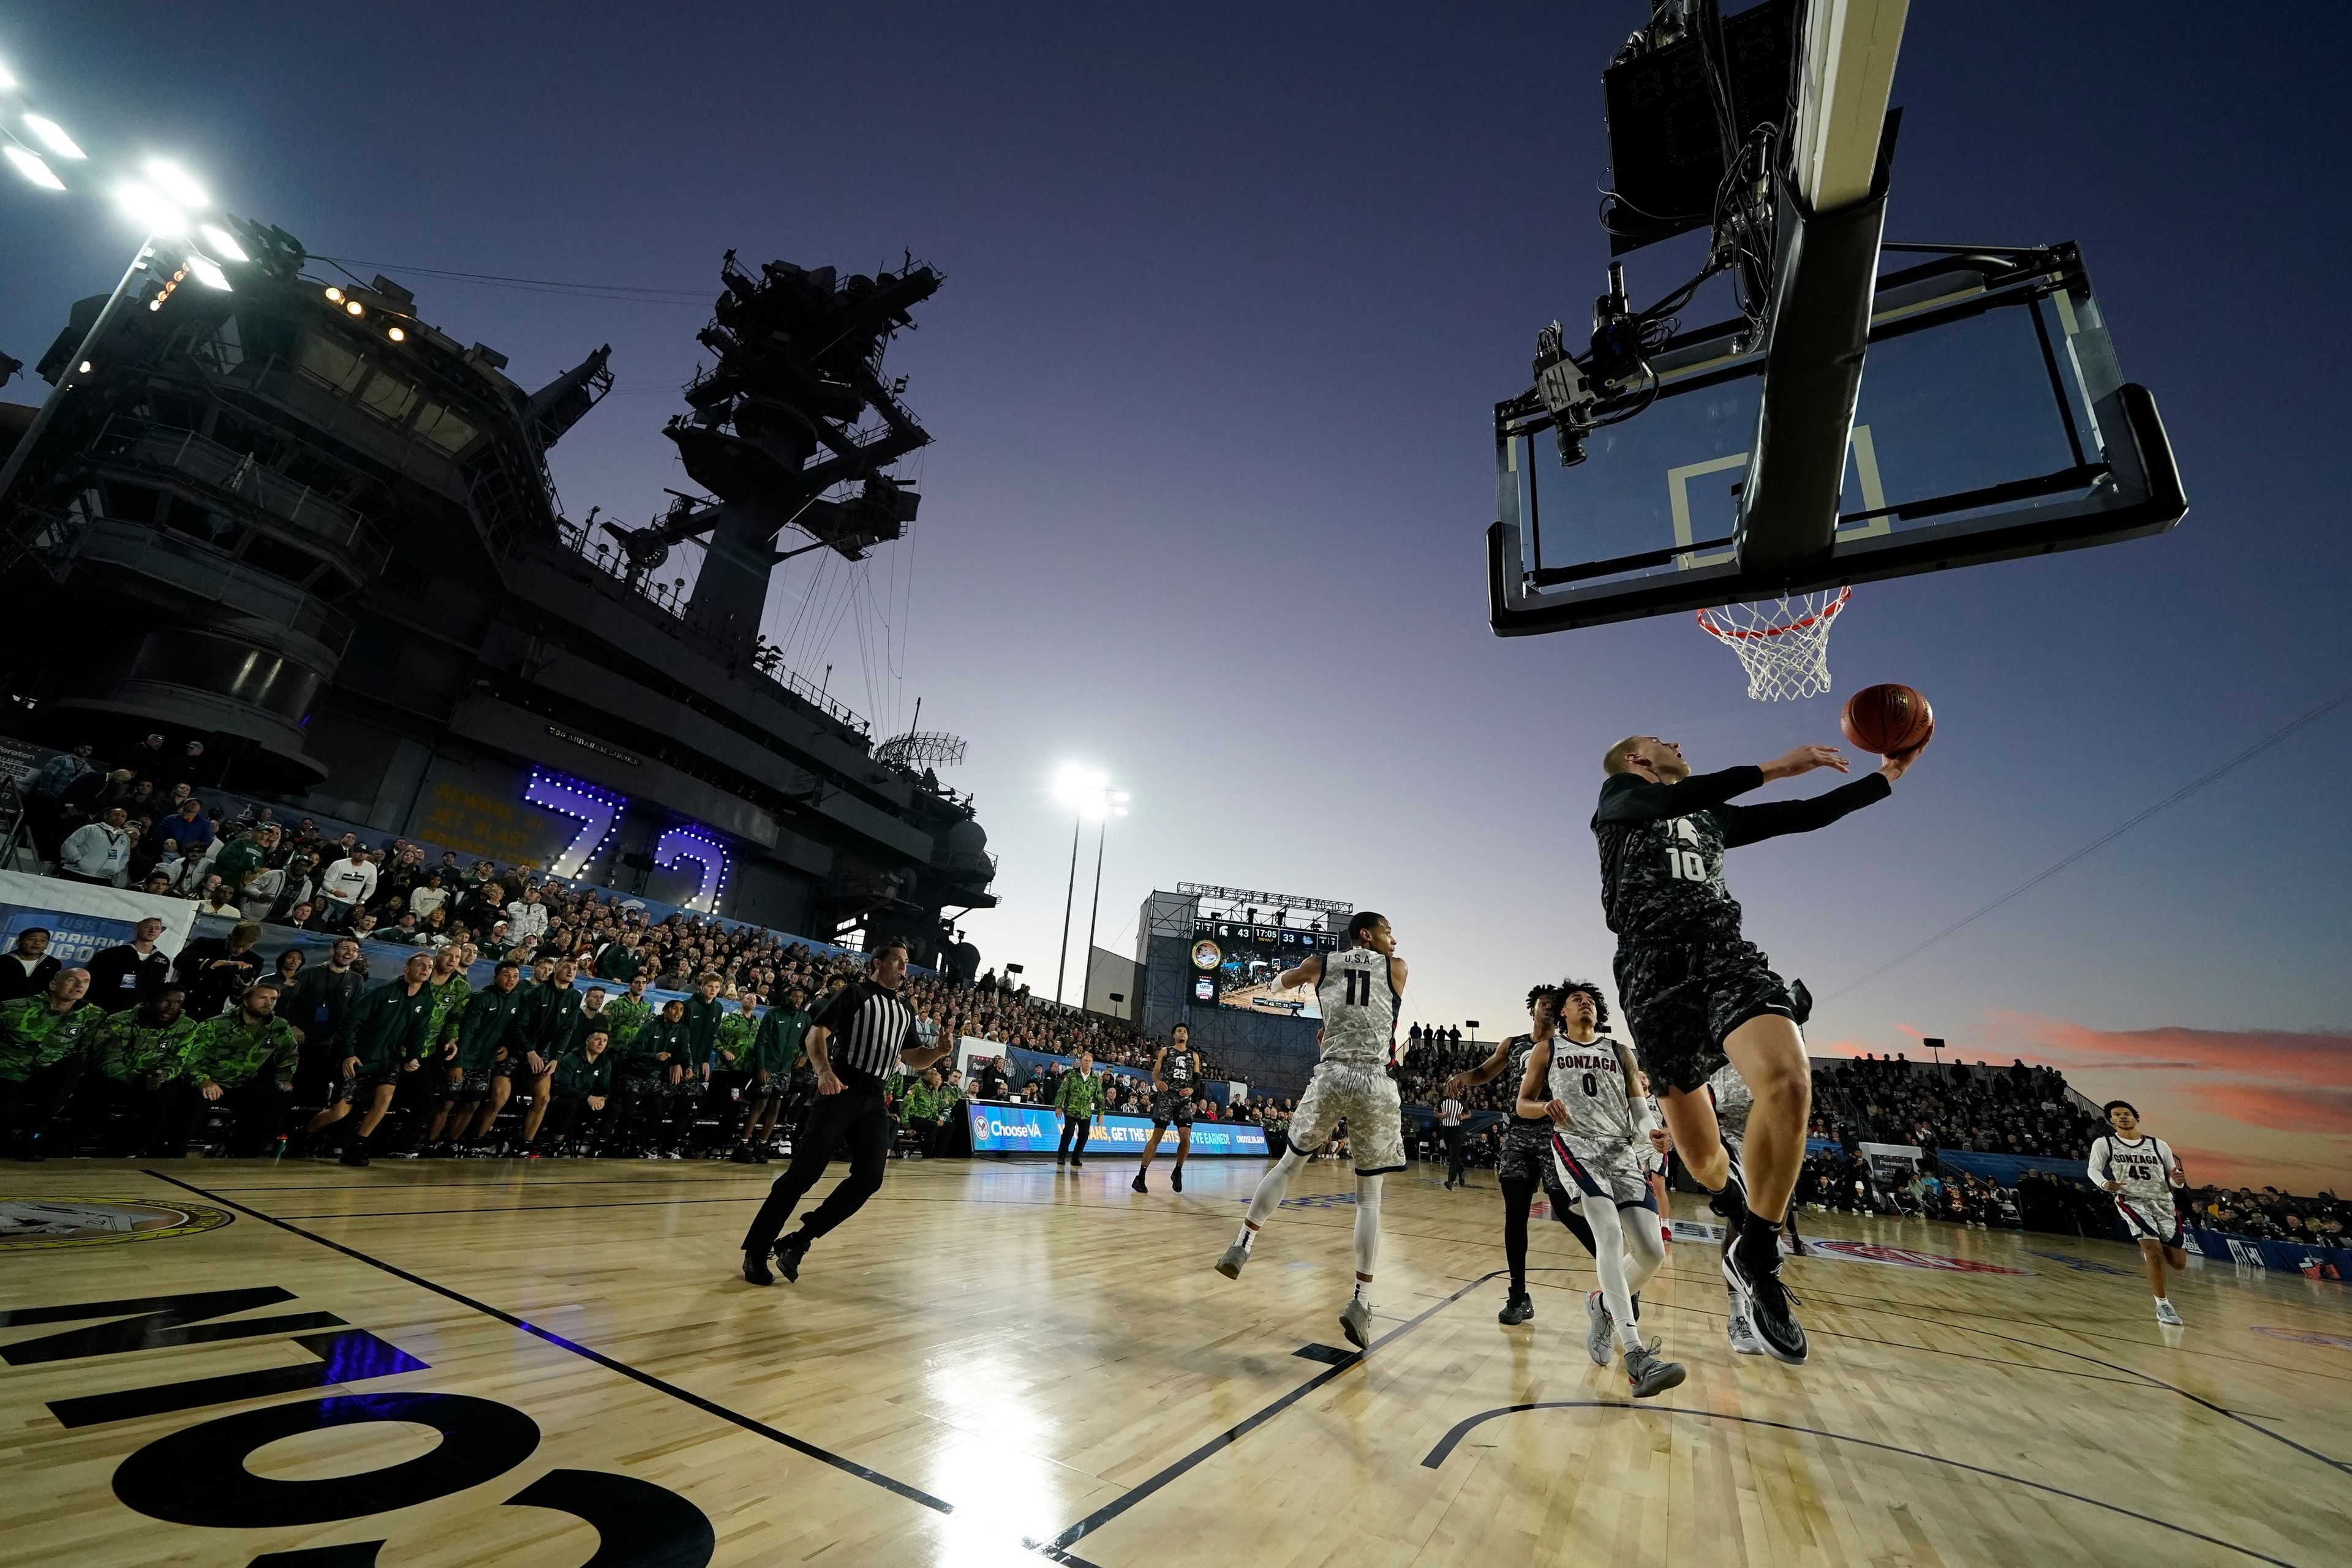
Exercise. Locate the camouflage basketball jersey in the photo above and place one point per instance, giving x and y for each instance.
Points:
(1179, 1069)
(1359, 1009)
(1589, 1080)
(1515, 1074)
(1663, 880)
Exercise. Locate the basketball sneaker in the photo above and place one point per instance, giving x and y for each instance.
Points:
(1600, 1329)
(1228, 1262)
(1649, 1376)
(1356, 1322)
(1752, 1268)
(1735, 1328)
(1516, 1311)
(2166, 1316)
(1139, 1184)
(1176, 1179)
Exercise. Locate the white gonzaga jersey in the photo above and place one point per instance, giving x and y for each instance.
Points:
(1589, 1080)
(1359, 1009)
(2141, 1164)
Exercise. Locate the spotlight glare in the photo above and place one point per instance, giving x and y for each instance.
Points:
(222, 244)
(208, 272)
(396, 335)
(8, 82)
(53, 136)
(85, 367)
(149, 208)
(29, 164)
(175, 182)
(353, 308)
(334, 295)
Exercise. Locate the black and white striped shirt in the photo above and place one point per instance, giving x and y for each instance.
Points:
(869, 1025)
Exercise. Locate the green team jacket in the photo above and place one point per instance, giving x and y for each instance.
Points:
(225, 1051)
(489, 1023)
(575, 1074)
(34, 1036)
(1078, 1095)
(702, 1020)
(388, 1027)
(128, 1050)
(619, 962)
(582, 1022)
(655, 1038)
(626, 1019)
(544, 1023)
(925, 1103)
(735, 1033)
(776, 1045)
(449, 1000)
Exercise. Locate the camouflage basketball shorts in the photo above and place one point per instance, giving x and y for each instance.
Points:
(1363, 1096)
(1169, 1106)
(1613, 1171)
(1682, 1000)
(358, 1086)
(465, 1084)
(1527, 1154)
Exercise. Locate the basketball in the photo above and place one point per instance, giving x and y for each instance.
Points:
(1886, 719)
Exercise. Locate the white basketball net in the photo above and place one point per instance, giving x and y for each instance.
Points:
(1783, 644)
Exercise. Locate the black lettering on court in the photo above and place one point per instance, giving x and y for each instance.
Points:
(350, 1356)
(151, 1323)
(197, 1474)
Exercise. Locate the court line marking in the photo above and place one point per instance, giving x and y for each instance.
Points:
(2010, 1363)
(685, 1396)
(1233, 1435)
(1445, 1446)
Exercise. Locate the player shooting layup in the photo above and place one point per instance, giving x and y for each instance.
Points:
(1696, 992)
(1359, 989)
(2142, 1172)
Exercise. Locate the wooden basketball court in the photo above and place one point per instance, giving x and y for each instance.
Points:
(480, 1363)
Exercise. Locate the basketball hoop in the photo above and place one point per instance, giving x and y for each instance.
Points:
(1783, 644)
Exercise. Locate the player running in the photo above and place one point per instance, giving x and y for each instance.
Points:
(1601, 1125)
(1358, 991)
(1696, 992)
(2142, 1172)
(1526, 1159)
(1176, 1074)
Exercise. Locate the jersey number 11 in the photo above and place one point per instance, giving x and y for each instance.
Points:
(1358, 987)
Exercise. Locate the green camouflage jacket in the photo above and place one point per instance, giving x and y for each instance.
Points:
(33, 1035)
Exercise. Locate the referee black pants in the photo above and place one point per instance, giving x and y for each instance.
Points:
(856, 1122)
(1456, 1166)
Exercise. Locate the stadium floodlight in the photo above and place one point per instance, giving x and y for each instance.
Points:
(1085, 790)
(176, 183)
(53, 136)
(151, 209)
(207, 271)
(28, 163)
(222, 244)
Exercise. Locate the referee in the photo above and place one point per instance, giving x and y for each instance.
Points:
(855, 1040)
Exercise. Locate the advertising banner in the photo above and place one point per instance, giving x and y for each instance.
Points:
(1016, 1129)
(83, 917)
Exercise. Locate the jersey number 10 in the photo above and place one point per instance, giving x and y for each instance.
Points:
(1686, 865)
(1359, 983)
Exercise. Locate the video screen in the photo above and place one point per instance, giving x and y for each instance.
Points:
(1236, 964)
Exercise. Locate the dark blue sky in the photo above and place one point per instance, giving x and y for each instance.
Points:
(1231, 293)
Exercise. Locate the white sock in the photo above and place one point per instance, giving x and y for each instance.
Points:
(1368, 1224)
(1246, 1239)
(1363, 1286)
